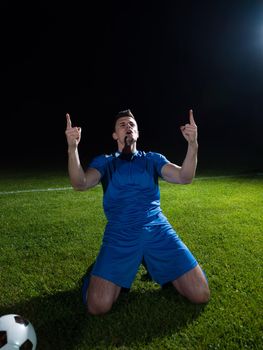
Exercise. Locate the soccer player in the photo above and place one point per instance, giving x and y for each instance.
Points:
(137, 230)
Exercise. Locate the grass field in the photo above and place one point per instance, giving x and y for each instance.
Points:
(48, 238)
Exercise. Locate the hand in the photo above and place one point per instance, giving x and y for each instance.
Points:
(189, 131)
(73, 134)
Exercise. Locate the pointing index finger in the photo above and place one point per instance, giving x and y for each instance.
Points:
(191, 117)
(69, 125)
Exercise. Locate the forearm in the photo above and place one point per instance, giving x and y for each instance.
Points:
(75, 170)
(188, 168)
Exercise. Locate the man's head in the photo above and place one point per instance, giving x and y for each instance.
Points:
(121, 114)
(125, 129)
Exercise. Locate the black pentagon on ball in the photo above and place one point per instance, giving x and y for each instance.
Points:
(3, 338)
(27, 345)
(21, 320)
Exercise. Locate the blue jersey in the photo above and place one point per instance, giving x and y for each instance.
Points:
(131, 190)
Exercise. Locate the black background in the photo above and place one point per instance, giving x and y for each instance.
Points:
(158, 58)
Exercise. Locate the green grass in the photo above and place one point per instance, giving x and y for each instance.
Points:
(49, 238)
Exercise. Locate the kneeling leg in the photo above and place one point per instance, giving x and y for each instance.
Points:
(101, 295)
(193, 285)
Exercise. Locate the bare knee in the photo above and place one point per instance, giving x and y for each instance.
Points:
(101, 295)
(98, 307)
(193, 285)
(197, 295)
(200, 296)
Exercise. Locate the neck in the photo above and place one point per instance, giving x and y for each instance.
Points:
(127, 148)
(127, 153)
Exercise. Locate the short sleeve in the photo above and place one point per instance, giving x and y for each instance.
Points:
(159, 161)
(99, 163)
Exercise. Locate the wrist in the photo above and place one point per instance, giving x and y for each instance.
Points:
(193, 144)
(72, 149)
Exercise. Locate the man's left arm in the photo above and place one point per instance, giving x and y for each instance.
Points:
(184, 174)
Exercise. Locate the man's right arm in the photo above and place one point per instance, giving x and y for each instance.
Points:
(79, 179)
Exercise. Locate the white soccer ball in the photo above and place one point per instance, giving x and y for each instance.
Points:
(16, 333)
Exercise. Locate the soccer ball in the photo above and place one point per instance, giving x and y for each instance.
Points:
(16, 333)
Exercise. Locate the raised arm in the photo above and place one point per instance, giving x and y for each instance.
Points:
(184, 174)
(79, 179)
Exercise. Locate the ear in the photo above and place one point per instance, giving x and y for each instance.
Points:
(114, 135)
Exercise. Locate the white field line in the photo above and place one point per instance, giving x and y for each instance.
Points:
(225, 176)
(37, 190)
(70, 188)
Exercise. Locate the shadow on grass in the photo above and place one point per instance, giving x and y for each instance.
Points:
(61, 322)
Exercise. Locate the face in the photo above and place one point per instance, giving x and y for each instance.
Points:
(126, 127)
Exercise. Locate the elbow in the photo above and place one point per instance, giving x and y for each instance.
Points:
(186, 178)
(79, 186)
(186, 181)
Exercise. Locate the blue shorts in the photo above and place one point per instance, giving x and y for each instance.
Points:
(123, 249)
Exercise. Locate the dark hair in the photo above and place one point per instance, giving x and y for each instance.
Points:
(124, 113)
